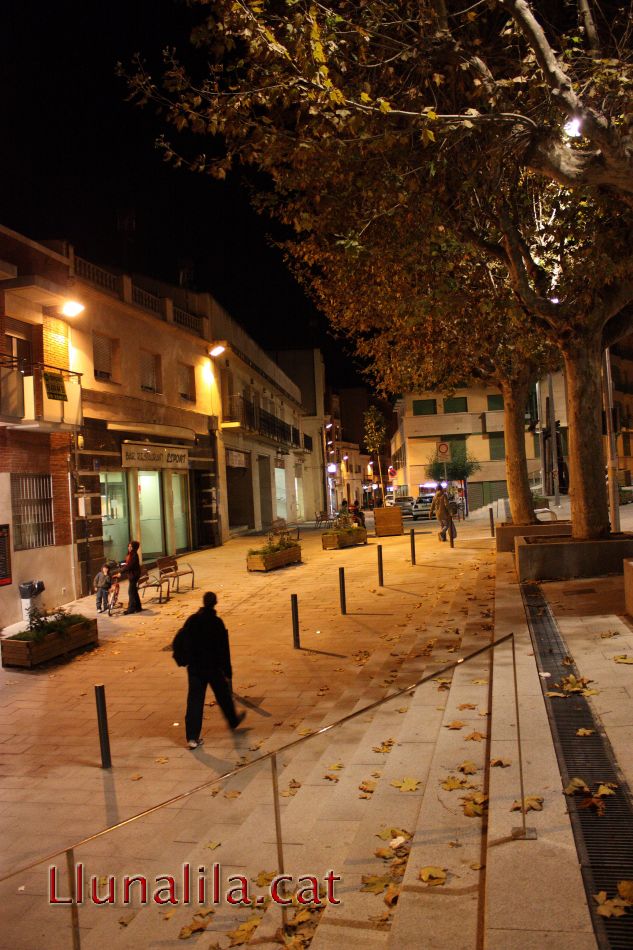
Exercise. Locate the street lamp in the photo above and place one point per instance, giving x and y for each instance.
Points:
(72, 308)
(216, 349)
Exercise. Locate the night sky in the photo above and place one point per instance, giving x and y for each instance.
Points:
(77, 159)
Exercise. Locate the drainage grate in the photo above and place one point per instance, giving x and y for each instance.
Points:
(605, 844)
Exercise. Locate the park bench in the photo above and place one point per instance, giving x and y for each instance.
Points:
(282, 529)
(171, 571)
(147, 580)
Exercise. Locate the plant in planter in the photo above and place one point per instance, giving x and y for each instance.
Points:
(48, 636)
(279, 552)
(345, 533)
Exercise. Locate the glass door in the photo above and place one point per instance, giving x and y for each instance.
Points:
(180, 485)
(150, 505)
(114, 515)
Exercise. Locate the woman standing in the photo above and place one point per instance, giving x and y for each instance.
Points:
(132, 569)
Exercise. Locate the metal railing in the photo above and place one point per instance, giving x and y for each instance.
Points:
(189, 320)
(104, 279)
(252, 417)
(145, 300)
(40, 391)
(69, 852)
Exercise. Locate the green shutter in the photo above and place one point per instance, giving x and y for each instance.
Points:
(456, 404)
(495, 402)
(497, 447)
(424, 407)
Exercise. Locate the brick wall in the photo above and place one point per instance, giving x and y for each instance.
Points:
(55, 342)
(36, 453)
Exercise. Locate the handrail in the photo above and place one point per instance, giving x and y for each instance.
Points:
(262, 758)
(17, 362)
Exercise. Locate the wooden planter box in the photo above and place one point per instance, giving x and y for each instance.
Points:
(270, 562)
(29, 653)
(343, 538)
(388, 521)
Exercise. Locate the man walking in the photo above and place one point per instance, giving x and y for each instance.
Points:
(202, 645)
(439, 507)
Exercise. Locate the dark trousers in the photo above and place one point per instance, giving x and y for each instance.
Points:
(134, 601)
(198, 682)
(102, 598)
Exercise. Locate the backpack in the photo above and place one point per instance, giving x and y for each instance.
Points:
(180, 647)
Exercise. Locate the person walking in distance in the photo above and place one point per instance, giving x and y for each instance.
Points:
(132, 569)
(202, 645)
(440, 509)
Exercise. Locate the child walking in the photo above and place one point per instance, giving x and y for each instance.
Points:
(102, 584)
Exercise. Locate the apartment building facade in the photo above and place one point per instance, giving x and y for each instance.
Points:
(116, 422)
(470, 420)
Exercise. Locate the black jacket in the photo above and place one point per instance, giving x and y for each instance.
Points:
(207, 642)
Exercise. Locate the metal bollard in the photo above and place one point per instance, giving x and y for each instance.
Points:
(294, 606)
(341, 588)
(413, 545)
(381, 576)
(102, 719)
(450, 531)
(492, 522)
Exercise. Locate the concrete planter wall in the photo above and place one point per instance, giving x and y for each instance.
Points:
(29, 653)
(561, 558)
(506, 532)
(270, 562)
(343, 538)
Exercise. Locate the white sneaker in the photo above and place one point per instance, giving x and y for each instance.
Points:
(194, 743)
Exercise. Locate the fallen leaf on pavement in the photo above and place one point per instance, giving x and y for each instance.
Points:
(455, 724)
(169, 914)
(406, 784)
(135, 778)
(433, 876)
(576, 785)
(367, 787)
(616, 907)
(480, 682)
(625, 890)
(500, 763)
(623, 658)
(605, 788)
(331, 778)
(585, 732)
(233, 793)
(391, 895)
(264, 878)
(336, 766)
(244, 932)
(388, 833)
(451, 782)
(213, 845)
(468, 768)
(161, 760)
(475, 736)
(609, 633)
(467, 706)
(384, 747)
(530, 803)
(374, 883)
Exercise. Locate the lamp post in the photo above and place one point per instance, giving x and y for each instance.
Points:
(612, 448)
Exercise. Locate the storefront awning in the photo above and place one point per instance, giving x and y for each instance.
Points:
(147, 428)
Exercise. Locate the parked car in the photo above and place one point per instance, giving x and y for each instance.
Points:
(404, 503)
(422, 506)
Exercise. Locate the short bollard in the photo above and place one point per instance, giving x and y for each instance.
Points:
(294, 604)
(413, 545)
(492, 523)
(451, 531)
(341, 589)
(381, 576)
(102, 719)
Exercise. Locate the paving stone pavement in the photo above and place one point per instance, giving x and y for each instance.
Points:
(53, 792)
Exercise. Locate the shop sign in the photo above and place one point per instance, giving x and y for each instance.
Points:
(142, 455)
(5, 556)
(55, 386)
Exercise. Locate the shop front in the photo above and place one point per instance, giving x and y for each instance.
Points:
(157, 479)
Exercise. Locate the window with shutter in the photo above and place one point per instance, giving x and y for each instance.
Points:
(102, 347)
(150, 372)
(186, 383)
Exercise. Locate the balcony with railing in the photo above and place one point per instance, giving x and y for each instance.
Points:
(240, 411)
(39, 395)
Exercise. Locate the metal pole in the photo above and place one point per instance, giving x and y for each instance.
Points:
(612, 445)
(523, 831)
(74, 909)
(450, 530)
(280, 844)
(492, 522)
(294, 606)
(102, 719)
(413, 546)
(541, 440)
(341, 589)
(553, 442)
(381, 576)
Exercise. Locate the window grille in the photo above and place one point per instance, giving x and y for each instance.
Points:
(187, 383)
(32, 506)
(150, 380)
(102, 353)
